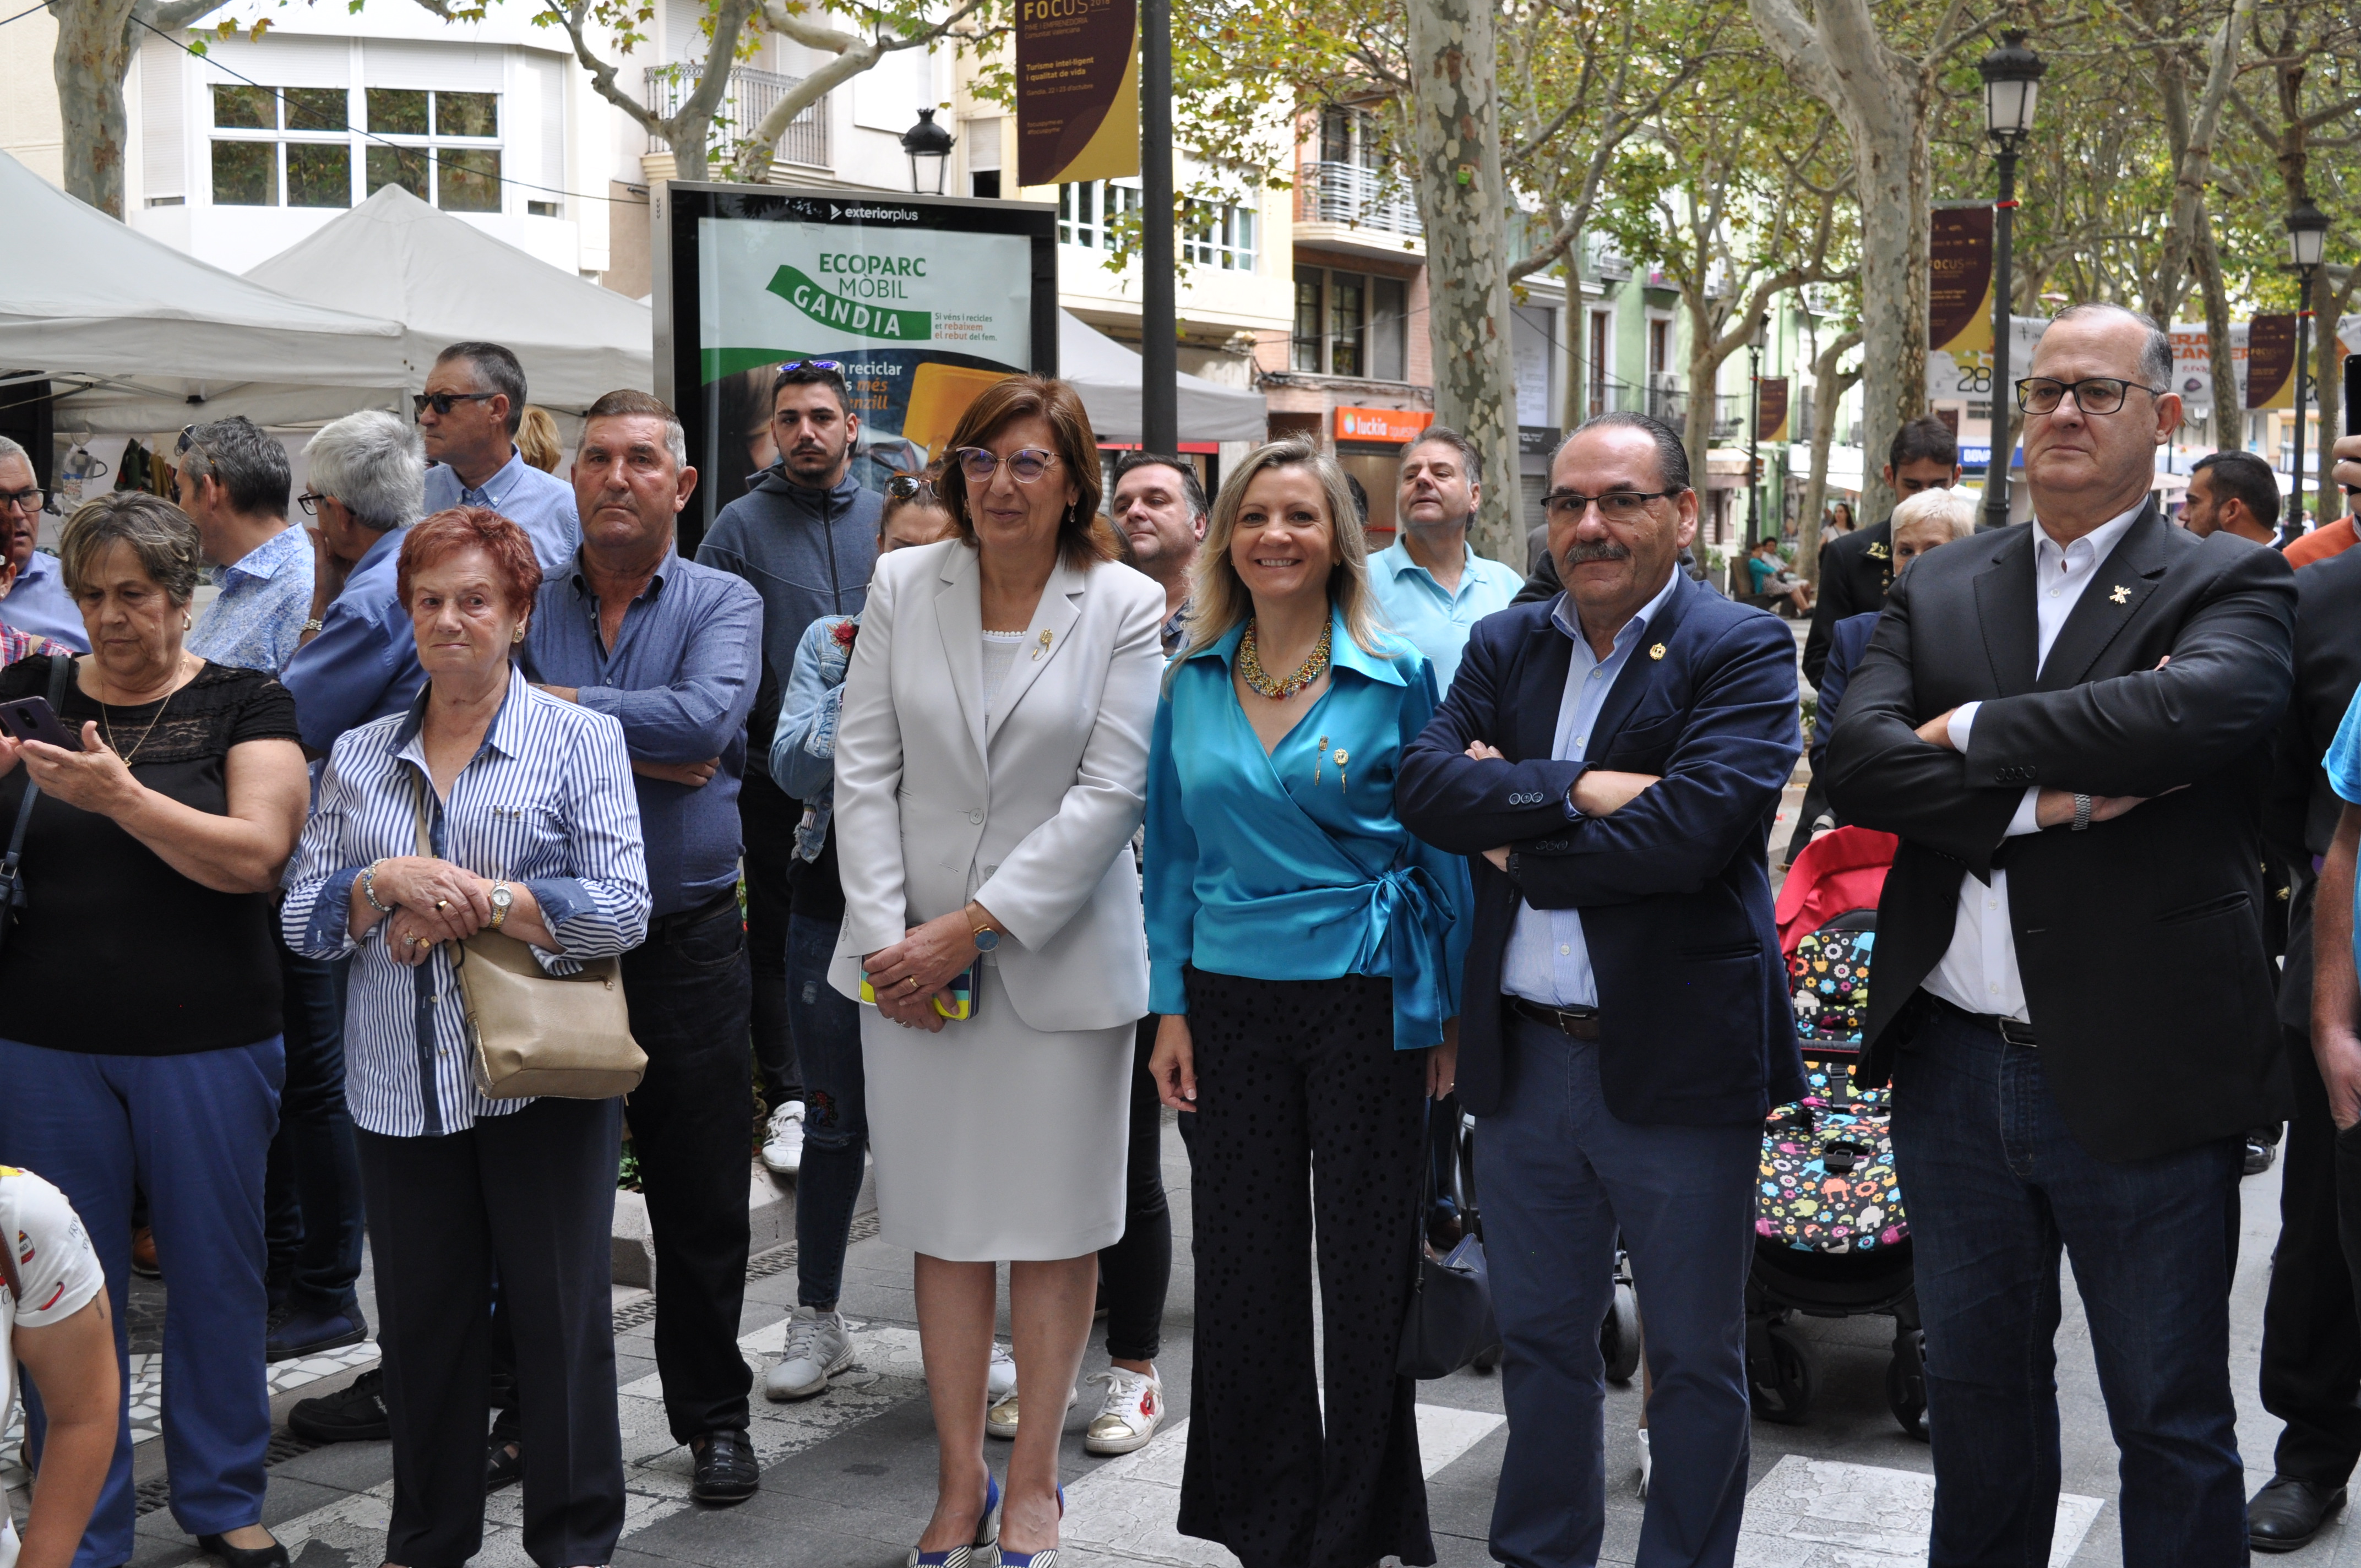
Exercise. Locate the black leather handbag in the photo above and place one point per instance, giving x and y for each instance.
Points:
(1450, 1322)
(12, 876)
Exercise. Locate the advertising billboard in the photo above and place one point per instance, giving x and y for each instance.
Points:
(919, 302)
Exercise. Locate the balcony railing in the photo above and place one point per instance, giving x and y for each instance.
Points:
(1348, 193)
(751, 95)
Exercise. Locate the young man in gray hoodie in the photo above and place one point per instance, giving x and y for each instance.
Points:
(804, 534)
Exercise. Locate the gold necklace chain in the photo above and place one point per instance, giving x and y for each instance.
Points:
(1250, 668)
(106, 722)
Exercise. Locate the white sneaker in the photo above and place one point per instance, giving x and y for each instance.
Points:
(818, 1346)
(1646, 1465)
(1001, 1381)
(782, 1144)
(1134, 1410)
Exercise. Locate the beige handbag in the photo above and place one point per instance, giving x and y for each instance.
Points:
(539, 1033)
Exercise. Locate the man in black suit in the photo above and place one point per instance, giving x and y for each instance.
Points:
(1609, 760)
(2070, 727)
(2311, 1336)
(1857, 568)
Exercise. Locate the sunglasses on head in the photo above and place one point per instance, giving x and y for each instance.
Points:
(910, 488)
(812, 365)
(442, 402)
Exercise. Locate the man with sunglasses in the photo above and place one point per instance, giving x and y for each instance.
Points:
(805, 534)
(2069, 727)
(468, 416)
(39, 605)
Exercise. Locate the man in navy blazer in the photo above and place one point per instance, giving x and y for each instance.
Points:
(1611, 761)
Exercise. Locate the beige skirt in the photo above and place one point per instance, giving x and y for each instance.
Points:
(996, 1142)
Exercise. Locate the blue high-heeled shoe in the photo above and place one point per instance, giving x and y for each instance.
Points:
(1045, 1558)
(987, 1531)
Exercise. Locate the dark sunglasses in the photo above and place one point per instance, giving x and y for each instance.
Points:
(442, 402)
(910, 488)
(812, 365)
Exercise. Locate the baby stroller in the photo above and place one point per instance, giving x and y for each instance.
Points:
(1832, 1237)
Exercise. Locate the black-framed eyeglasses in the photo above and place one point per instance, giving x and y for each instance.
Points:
(1025, 465)
(32, 500)
(442, 402)
(1615, 505)
(910, 488)
(2098, 395)
(310, 501)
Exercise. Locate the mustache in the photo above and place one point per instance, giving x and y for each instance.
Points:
(1601, 550)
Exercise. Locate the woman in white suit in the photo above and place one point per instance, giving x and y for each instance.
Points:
(991, 766)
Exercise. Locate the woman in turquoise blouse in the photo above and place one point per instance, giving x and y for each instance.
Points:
(1305, 952)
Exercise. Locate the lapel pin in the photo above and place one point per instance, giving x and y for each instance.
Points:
(1657, 652)
(2122, 595)
(1044, 647)
(1341, 757)
(1319, 755)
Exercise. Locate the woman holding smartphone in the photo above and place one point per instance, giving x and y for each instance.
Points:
(990, 766)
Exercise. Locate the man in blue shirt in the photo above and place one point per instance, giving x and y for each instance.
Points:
(468, 414)
(1430, 584)
(674, 650)
(38, 604)
(233, 481)
(358, 659)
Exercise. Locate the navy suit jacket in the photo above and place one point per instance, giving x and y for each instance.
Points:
(1846, 642)
(1672, 889)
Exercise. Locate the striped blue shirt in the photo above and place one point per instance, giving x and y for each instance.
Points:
(546, 801)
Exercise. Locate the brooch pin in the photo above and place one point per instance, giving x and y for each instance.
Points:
(1877, 551)
(1657, 652)
(2122, 595)
(1341, 757)
(1044, 646)
(1319, 755)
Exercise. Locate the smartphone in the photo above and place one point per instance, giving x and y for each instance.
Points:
(956, 1002)
(32, 719)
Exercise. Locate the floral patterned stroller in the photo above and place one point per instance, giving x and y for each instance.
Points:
(1832, 1239)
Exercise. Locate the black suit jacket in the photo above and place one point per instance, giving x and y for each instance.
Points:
(2140, 941)
(1855, 570)
(1675, 897)
(2300, 818)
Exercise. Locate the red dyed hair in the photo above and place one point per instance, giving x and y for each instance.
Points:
(446, 533)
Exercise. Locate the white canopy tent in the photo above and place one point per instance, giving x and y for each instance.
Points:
(1108, 375)
(447, 281)
(155, 338)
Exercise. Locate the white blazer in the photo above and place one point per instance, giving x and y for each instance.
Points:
(1028, 807)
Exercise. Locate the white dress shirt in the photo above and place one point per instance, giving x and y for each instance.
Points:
(1979, 969)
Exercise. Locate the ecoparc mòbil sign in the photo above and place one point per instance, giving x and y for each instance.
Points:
(918, 303)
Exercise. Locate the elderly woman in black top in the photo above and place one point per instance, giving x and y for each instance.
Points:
(140, 1037)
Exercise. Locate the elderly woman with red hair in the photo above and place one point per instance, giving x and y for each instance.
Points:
(526, 805)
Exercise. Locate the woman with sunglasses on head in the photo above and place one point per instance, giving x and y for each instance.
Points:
(990, 766)
(1306, 954)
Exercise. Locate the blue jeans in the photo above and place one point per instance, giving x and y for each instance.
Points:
(1995, 1186)
(1558, 1175)
(191, 1130)
(836, 1112)
(312, 1193)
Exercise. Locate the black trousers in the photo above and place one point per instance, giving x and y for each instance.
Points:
(1138, 1271)
(531, 1193)
(691, 1115)
(2311, 1336)
(767, 817)
(1299, 1079)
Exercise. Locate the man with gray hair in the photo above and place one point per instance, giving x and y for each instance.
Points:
(233, 480)
(2069, 726)
(37, 605)
(358, 660)
(468, 415)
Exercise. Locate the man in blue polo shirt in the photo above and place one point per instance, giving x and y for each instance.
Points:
(468, 415)
(1430, 584)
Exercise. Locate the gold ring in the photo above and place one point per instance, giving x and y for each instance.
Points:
(911, 980)
(442, 904)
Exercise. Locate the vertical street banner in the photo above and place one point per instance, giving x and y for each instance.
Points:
(2192, 365)
(919, 303)
(1771, 409)
(2270, 362)
(1077, 89)
(1959, 302)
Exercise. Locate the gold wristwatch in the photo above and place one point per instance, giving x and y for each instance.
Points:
(502, 898)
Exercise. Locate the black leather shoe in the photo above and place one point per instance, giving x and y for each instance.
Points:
(271, 1556)
(503, 1463)
(355, 1413)
(2288, 1513)
(726, 1472)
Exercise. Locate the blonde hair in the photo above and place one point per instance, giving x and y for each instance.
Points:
(536, 438)
(1219, 601)
(1951, 508)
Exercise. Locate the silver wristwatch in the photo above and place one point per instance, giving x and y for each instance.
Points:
(2081, 812)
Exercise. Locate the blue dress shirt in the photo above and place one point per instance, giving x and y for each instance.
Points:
(266, 594)
(680, 678)
(1287, 866)
(364, 663)
(1547, 960)
(545, 801)
(542, 504)
(39, 604)
(1434, 621)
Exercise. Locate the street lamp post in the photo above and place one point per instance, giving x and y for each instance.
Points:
(2307, 228)
(2011, 76)
(929, 148)
(1754, 426)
